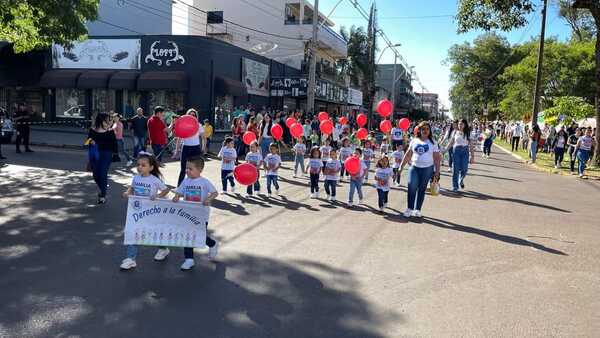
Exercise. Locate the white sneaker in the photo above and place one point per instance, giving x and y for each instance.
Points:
(449, 170)
(360, 201)
(350, 203)
(161, 254)
(333, 198)
(232, 189)
(247, 195)
(381, 209)
(295, 176)
(213, 252)
(129, 163)
(128, 264)
(269, 194)
(277, 192)
(223, 191)
(317, 194)
(417, 213)
(188, 263)
(312, 195)
(385, 205)
(328, 197)
(408, 213)
(397, 185)
(555, 167)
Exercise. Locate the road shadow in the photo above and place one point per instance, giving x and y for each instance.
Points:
(484, 197)
(59, 257)
(494, 177)
(489, 234)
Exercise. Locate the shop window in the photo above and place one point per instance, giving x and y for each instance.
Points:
(223, 112)
(214, 17)
(292, 14)
(103, 100)
(131, 101)
(173, 102)
(70, 103)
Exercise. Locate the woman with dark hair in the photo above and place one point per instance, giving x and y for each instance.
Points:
(446, 138)
(461, 145)
(264, 134)
(424, 157)
(560, 142)
(583, 149)
(104, 141)
(238, 132)
(534, 139)
(191, 147)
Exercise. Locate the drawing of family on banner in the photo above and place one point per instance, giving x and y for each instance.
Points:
(162, 222)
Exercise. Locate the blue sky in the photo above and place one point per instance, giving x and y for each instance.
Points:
(425, 41)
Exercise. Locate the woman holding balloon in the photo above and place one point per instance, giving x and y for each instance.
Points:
(188, 129)
(265, 137)
(424, 156)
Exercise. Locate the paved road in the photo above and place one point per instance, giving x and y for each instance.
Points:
(515, 255)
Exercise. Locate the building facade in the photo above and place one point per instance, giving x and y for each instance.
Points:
(404, 96)
(428, 102)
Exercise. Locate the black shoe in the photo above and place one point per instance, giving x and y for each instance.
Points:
(28, 150)
(101, 200)
(18, 151)
(2, 157)
(462, 185)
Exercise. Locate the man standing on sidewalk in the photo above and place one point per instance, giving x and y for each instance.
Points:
(157, 131)
(139, 127)
(22, 119)
(517, 133)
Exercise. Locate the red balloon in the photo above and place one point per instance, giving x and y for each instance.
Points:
(361, 120)
(352, 165)
(249, 137)
(186, 126)
(289, 121)
(277, 131)
(404, 124)
(416, 130)
(385, 126)
(343, 120)
(245, 173)
(362, 133)
(322, 116)
(296, 130)
(384, 108)
(326, 127)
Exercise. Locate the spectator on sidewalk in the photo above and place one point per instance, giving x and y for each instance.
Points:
(583, 149)
(558, 145)
(157, 132)
(22, 119)
(535, 135)
(117, 127)
(517, 133)
(6, 131)
(139, 128)
(105, 142)
(208, 132)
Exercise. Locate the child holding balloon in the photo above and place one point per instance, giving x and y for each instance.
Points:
(315, 164)
(228, 156)
(345, 152)
(255, 158)
(272, 163)
(356, 180)
(382, 179)
(299, 151)
(368, 155)
(331, 170)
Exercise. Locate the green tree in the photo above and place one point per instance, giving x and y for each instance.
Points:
(35, 24)
(355, 66)
(581, 21)
(572, 108)
(473, 73)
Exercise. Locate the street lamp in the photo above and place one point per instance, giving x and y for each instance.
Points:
(394, 73)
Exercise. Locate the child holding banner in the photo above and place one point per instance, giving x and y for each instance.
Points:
(147, 183)
(197, 189)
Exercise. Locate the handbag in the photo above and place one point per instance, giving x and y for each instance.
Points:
(434, 187)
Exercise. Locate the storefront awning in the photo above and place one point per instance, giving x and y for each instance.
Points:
(94, 79)
(123, 80)
(163, 80)
(227, 86)
(60, 79)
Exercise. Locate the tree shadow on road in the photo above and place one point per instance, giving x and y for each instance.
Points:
(489, 234)
(485, 197)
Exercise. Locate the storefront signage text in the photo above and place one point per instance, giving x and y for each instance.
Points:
(168, 55)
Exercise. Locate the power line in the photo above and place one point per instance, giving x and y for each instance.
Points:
(400, 17)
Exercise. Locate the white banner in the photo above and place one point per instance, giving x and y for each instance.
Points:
(355, 97)
(98, 54)
(165, 223)
(256, 77)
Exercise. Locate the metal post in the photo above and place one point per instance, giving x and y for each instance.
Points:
(394, 87)
(538, 76)
(310, 95)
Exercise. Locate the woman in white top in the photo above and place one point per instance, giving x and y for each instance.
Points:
(462, 145)
(191, 146)
(583, 149)
(424, 156)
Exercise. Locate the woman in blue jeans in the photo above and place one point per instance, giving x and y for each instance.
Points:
(425, 159)
(103, 145)
(463, 148)
(534, 140)
(191, 147)
(584, 149)
(265, 138)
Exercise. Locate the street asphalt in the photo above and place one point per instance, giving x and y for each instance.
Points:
(514, 255)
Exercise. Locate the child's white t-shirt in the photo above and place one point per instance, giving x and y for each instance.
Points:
(335, 166)
(368, 155)
(397, 157)
(315, 165)
(147, 186)
(272, 161)
(228, 157)
(300, 149)
(195, 189)
(345, 152)
(382, 178)
(361, 173)
(254, 158)
(397, 134)
(325, 151)
(385, 147)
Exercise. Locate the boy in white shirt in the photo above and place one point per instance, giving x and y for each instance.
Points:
(228, 156)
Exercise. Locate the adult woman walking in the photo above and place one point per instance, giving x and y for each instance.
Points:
(573, 138)
(446, 138)
(117, 127)
(461, 145)
(488, 140)
(559, 144)
(534, 139)
(238, 131)
(191, 147)
(264, 134)
(583, 149)
(104, 141)
(424, 156)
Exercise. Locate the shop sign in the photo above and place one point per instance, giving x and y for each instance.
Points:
(355, 97)
(256, 77)
(164, 53)
(298, 87)
(98, 54)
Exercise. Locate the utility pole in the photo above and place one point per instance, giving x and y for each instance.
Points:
(394, 87)
(538, 76)
(310, 95)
